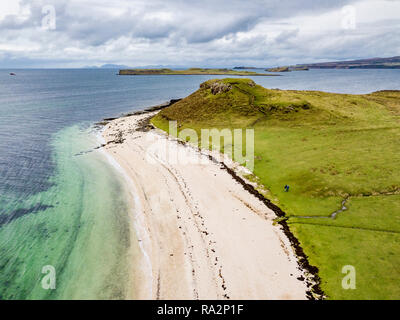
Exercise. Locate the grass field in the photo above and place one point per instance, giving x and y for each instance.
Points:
(328, 148)
(191, 71)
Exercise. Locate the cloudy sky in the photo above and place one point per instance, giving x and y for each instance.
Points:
(223, 33)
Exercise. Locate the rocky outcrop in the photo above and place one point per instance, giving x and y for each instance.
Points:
(219, 86)
(216, 86)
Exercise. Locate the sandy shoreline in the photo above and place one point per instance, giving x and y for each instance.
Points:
(202, 235)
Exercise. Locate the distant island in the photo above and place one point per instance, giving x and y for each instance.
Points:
(242, 67)
(107, 66)
(287, 69)
(373, 63)
(191, 71)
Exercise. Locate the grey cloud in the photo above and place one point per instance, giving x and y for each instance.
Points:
(204, 32)
(287, 35)
(201, 21)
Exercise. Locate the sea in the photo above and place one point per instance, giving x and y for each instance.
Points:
(65, 228)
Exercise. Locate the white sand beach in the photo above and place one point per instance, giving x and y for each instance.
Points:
(203, 235)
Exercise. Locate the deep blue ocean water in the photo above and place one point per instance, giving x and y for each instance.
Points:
(43, 113)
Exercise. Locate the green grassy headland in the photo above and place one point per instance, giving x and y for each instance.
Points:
(328, 148)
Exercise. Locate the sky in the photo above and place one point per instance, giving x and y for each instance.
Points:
(218, 33)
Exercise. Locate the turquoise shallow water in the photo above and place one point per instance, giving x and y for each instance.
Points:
(65, 207)
(82, 231)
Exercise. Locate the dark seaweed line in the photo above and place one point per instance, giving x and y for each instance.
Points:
(315, 293)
